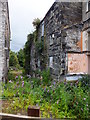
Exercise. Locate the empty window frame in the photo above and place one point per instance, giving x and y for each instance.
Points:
(51, 39)
(38, 63)
(89, 41)
(43, 28)
(88, 6)
(51, 62)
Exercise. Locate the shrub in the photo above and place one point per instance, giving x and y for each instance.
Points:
(46, 77)
(13, 61)
(56, 99)
(11, 75)
(85, 82)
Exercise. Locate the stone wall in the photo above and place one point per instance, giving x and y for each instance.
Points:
(86, 32)
(62, 34)
(33, 60)
(86, 27)
(4, 39)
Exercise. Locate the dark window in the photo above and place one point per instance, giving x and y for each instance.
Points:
(5, 43)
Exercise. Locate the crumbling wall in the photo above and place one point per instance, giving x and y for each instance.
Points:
(33, 60)
(63, 26)
(62, 34)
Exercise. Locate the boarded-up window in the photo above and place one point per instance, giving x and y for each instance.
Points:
(77, 63)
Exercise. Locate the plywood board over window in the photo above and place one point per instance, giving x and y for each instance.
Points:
(77, 63)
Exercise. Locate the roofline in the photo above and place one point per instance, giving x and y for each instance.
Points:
(47, 12)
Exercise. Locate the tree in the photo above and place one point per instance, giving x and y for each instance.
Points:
(20, 56)
(36, 22)
(13, 60)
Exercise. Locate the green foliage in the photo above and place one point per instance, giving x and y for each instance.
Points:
(39, 47)
(13, 73)
(36, 22)
(20, 56)
(46, 76)
(27, 53)
(56, 99)
(11, 76)
(13, 61)
(85, 82)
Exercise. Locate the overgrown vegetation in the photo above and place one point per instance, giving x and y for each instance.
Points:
(13, 61)
(21, 59)
(56, 99)
(27, 53)
(39, 47)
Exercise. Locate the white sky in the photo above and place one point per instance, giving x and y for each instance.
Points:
(22, 13)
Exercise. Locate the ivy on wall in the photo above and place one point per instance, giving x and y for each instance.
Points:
(27, 52)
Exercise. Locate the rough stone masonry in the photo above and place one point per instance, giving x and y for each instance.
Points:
(4, 39)
(62, 34)
(65, 33)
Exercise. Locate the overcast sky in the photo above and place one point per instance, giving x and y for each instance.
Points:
(22, 14)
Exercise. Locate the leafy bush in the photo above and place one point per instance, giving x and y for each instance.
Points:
(20, 56)
(56, 99)
(46, 77)
(13, 61)
(85, 82)
(39, 47)
(11, 76)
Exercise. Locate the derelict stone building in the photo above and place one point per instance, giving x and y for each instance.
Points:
(62, 32)
(4, 39)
